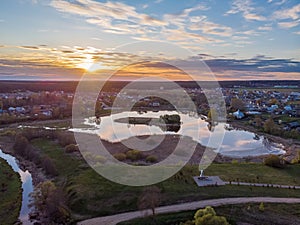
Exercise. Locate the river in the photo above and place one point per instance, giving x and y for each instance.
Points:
(27, 186)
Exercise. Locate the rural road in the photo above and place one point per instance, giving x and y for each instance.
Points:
(114, 219)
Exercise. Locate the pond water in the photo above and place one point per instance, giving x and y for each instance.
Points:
(27, 186)
(236, 143)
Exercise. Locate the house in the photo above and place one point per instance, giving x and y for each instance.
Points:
(288, 108)
(239, 115)
(155, 104)
(20, 109)
(11, 109)
(272, 108)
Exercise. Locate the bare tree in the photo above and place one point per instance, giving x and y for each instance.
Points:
(149, 199)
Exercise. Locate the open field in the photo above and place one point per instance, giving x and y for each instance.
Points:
(91, 195)
(10, 194)
(275, 214)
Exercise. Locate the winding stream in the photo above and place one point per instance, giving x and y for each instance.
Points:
(27, 186)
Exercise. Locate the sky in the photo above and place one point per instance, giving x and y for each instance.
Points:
(230, 40)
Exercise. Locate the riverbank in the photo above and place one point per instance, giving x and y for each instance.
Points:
(6, 144)
(10, 194)
(291, 146)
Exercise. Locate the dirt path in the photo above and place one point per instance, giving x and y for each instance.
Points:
(114, 219)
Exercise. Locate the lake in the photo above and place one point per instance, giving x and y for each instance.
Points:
(235, 143)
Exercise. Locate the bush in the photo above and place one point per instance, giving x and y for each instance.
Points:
(208, 216)
(134, 155)
(94, 159)
(261, 207)
(120, 156)
(274, 161)
(65, 138)
(235, 161)
(21, 143)
(151, 159)
(296, 159)
(202, 212)
(71, 148)
(49, 167)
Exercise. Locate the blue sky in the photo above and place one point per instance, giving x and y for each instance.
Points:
(238, 39)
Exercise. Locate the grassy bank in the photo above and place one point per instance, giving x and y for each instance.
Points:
(275, 214)
(91, 195)
(10, 194)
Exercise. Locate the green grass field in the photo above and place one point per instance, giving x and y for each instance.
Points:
(92, 195)
(275, 214)
(10, 194)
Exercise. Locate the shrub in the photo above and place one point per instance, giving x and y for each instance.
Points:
(133, 155)
(274, 161)
(71, 148)
(49, 167)
(151, 159)
(65, 138)
(21, 143)
(296, 159)
(120, 156)
(235, 161)
(202, 212)
(208, 216)
(94, 158)
(261, 207)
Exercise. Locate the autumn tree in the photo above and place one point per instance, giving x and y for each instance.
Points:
(258, 121)
(212, 114)
(208, 216)
(49, 203)
(149, 199)
(269, 125)
(273, 101)
(237, 103)
(21, 144)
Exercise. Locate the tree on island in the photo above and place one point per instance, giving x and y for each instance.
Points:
(212, 114)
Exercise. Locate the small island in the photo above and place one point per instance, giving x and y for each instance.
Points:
(166, 122)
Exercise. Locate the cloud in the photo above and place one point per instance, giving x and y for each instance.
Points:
(291, 13)
(120, 18)
(252, 16)
(66, 62)
(287, 25)
(30, 47)
(280, 2)
(207, 27)
(249, 32)
(265, 28)
(245, 7)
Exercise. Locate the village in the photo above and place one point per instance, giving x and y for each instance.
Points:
(252, 106)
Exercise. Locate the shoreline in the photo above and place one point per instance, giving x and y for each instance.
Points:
(290, 146)
(6, 145)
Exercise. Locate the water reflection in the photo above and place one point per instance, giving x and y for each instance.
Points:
(27, 186)
(236, 143)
